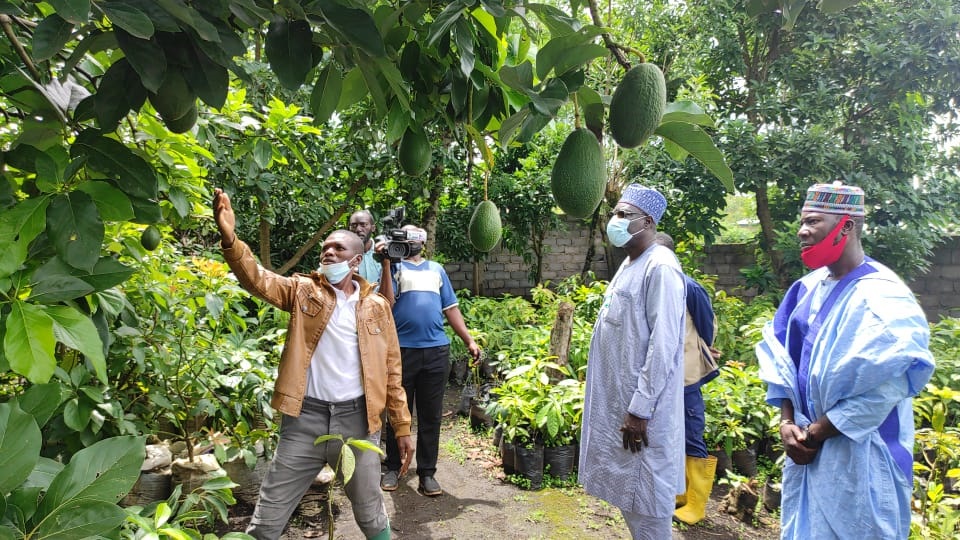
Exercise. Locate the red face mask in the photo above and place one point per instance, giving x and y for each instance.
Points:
(825, 252)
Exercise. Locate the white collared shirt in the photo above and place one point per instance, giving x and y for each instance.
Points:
(335, 373)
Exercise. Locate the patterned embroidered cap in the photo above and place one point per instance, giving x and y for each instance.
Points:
(647, 199)
(834, 198)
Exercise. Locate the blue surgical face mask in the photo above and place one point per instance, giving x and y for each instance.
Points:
(617, 230)
(335, 272)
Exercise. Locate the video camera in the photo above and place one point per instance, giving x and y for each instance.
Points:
(399, 242)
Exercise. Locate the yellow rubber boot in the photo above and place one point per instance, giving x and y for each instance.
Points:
(700, 473)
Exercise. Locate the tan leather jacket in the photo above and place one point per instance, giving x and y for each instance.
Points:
(310, 299)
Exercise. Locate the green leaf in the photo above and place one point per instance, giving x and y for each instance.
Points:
(388, 70)
(206, 77)
(692, 139)
(591, 105)
(365, 445)
(549, 101)
(178, 198)
(75, 229)
(509, 126)
(43, 474)
(146, 57)
(834, 6)
(18, 227)
(59, 288)
(263, 153)
(120, 91)
(79, 518)
(41, 401)
(326, 93)
(221, 482)
(76, 414)
(760, 7)
(288, 45)
(518, 77)
(463, 35)
(558, 22)
(20, 444)
(191, 17)
(112, 204)
(348, 463)
(356, 25)
(104, 471)
(370, 74)
(97, 40)
(131, 19)
(49, 174)
(75, 11)
(28, 342)
(328, 437)
(687, 112)
(481, 145)
(566, 52)
(50, 36)
(76, 330)
(397, 121)
(24, 221)
(136, 177)
(354, 89)
(445, 19)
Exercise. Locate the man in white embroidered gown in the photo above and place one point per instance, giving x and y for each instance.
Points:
(632, 442)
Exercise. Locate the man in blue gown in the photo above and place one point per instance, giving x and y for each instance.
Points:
(844, 355)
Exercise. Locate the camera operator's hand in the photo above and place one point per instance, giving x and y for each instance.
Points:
(380, 251)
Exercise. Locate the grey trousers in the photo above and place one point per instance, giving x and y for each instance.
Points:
(297, 462)
(648, 527)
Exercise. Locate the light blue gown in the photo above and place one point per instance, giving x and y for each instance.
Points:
(636, 364)
(856, 351)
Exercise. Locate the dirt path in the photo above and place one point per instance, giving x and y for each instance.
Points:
(478, 504)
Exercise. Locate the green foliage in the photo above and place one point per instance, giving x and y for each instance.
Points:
(736, 410)
(183, 517)
(739, 325)
(195, 350)
(937, 442)
(945, 346)
(344, 467)
(538, 401)
(46, 498)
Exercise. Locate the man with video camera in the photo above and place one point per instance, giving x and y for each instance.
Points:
(423, 297)
(371, 267)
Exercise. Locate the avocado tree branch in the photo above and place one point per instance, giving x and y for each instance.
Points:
(616, 49)
(21, 52)
(348, 201)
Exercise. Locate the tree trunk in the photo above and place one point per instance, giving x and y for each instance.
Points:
(478, 278)
(591, 249)
(433, 210)
(767, 230)
(560, 337)
(263, 231)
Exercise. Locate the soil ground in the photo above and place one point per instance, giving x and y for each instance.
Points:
(479, 503)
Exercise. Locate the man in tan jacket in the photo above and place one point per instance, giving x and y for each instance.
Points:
(339, 370)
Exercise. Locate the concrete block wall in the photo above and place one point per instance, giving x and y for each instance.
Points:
(505, 273)
(939, 289)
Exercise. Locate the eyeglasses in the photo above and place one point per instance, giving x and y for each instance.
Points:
(622, 214)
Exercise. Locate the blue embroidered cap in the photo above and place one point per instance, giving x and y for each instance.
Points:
(647, 199)
(834, 198)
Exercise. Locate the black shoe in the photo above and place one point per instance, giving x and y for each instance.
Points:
(390, 480)
(429, 487)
